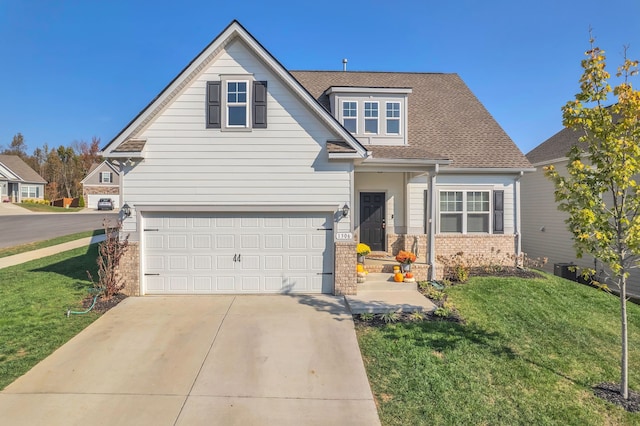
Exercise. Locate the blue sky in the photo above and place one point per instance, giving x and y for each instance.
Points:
(71, 70)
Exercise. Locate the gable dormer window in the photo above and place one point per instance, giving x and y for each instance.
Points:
(350, 116)
(374, 115)
(393, 118)
(371, 117)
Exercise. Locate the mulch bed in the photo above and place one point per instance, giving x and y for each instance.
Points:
(611, 392)
(103, 306)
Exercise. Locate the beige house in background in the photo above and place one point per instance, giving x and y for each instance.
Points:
(18, 181)
(102, 181)
(544, 231)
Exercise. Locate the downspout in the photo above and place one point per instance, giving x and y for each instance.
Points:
(432, 224)
(516, 219)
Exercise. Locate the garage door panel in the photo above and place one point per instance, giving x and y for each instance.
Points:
(225, 241)
(297, 263)
(251, 284)
(153, 241)
(198, 253)
(203, 284)
(273, 242)
(225, 283)
(177, 242)
(273, 263)
(202, 262)
(178, 283)
(225, 262)
(297, 242)
(202, 241)
(250, 241)
(249, 262)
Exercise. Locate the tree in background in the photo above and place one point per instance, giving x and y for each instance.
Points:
(63, 168)
(600, 192)
(17, 147)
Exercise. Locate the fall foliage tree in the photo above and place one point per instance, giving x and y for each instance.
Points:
(599, 191)
(63, 167)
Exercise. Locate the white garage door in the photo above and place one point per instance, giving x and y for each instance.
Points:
(237, 253)
(92, 200)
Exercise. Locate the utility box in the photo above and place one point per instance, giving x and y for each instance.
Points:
(565, 270)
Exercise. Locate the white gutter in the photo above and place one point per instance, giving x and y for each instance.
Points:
(486, 170)
(432, 225)
(516, 225)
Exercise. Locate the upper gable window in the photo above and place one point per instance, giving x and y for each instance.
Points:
(371, 117)
(350, 116)
(237, 109)
(236, 104)
(105, 177)
(393, 118)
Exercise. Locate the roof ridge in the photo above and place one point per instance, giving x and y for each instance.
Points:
(380, 72)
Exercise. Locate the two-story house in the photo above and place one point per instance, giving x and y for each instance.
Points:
(244, 177)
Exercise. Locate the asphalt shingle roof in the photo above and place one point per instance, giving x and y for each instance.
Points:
(446, 121)
(557, 146)
(20, 168)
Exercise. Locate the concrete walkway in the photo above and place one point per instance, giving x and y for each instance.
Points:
(48, 251)
(203, 360)
(12, 209)
(380, 294)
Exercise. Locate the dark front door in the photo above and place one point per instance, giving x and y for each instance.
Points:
(372, 222)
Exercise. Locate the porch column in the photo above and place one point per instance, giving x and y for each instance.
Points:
(344, 274)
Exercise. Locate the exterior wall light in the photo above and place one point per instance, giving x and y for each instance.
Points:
(345, 211)
(126, 210)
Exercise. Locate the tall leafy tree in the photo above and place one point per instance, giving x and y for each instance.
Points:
(17, 147)
(600, 192)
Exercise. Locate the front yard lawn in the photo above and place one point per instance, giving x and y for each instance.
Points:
(49, 209)
(23, 248)
(34, 298)
(529, 353)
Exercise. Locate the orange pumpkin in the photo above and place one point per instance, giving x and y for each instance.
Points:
(408, 275)
(398, 277)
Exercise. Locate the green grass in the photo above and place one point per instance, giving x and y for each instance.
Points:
(34, 298)
(48, 209)
(529, 353)
(23, 248)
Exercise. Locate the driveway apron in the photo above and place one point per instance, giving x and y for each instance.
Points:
(191, 360)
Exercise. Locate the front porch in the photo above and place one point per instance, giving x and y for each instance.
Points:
(382, 263)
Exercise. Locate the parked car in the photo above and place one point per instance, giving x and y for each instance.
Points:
(105, 204)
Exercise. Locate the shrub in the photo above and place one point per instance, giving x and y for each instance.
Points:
(81, 202)
(390, 317)
(110, 252)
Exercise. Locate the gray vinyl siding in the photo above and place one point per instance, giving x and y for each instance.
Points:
(285, 164)
(94, 177)
(462, 182)
(544, 232)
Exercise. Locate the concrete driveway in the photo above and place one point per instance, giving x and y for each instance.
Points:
(192, 360)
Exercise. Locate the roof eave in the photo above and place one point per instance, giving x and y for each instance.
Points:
(486, 170)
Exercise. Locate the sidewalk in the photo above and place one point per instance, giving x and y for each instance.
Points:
(48, 251)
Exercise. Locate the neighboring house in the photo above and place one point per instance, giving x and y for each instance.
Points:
(102, 181)
(544, 231)
(18, 181)
(243, 177)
